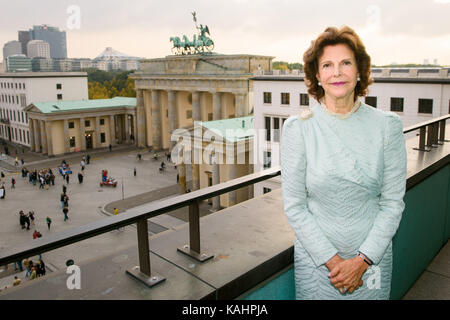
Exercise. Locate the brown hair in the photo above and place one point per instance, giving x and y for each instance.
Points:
(332, 36)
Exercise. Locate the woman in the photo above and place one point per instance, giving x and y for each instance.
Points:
(343, 168)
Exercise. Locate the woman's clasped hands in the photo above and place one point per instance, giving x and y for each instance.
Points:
(346, 275)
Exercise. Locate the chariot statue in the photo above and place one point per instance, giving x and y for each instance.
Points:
(200, 43)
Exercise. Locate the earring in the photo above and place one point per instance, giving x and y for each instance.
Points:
(319, 84)
(358, 79)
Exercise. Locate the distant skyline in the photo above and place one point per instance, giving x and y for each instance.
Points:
(398, 31)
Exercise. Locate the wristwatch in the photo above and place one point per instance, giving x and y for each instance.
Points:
(364, 257)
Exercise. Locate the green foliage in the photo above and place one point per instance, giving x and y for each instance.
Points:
(105, 85)
(283, 65)
(408, 65)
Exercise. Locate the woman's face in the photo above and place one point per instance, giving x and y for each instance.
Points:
(337, 71)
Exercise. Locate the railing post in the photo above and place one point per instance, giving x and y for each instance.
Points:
(430, 136)
(422, 135)
(143, 272)
(435, 134)
(442, 132)
(193, 249)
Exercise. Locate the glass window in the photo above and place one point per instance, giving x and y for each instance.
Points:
(59, 96)
(267, 97)
(304, 99)
(102, 122)
(276, 129)
(58, 86)
(87, 123)
(267, 127)
(72, 142)
(426, 106)
(267, 159)
(285, 98)
(397, 104)
(371, 101)
(102, 137)
(71, 125)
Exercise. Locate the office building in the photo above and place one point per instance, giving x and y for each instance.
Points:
(38, 49)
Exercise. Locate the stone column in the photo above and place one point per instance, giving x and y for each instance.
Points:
(215, 181)
(135, 129)
(196, 116)
(112, 131)
(172, 109)
(141, 119)
(119, 120)
(196, 112)
(43, 136)
(82, 135)
(97, 143)
(239, 105)
(127, 128)
(37, 136)
(31, 129)
(156, 120)
(48, 126)
(195, 170)
(217, 106)
(66, 136)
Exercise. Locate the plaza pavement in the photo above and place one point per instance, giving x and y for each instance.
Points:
(88, 202)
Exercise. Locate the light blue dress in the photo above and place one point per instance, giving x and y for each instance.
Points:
(343, 182)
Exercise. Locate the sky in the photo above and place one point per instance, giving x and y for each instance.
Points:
(393, 31)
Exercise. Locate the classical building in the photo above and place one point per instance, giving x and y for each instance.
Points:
(60, 127)
(175, 91)
(415, 94)
(18, 90)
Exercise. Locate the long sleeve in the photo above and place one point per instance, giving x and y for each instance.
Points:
(392, 191)
(293, 174)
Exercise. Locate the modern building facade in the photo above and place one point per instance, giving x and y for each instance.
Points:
(176, 91)
(18, 90)
(18, 63)
(11, 48)
(416, 95)
(59, 127)
(38, 49)
(54, 37)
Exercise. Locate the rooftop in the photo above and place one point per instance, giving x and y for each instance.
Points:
(233, 130)
(78, 105)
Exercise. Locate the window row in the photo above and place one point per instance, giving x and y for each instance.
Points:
(11, 85)
(11, 115)
(272, 126)
(286, 98)
(424, 106)
(15, 99)
(19, 135)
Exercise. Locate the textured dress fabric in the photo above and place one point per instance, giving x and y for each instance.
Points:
(343, 182)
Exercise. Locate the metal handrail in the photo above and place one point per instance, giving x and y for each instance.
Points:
(433, 130)
(139, 215)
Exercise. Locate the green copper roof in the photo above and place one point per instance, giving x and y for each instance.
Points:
(63, 106)
(235, 129)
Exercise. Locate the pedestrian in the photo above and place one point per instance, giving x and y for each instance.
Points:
(13, 183)
(134, 171)
(26, 263)
(33, 273)
(116, 211)
(110, 147)
(2, 174)
(61, 198)
(27, 221)
(49, 222)
(66, 200)
(22, 161)
(2, 192)
(36, 234)
(19, 265)
(22, 219)
(82, 164)
(88, 159)
(16, 161)
(31, 215)
(80, 177)
(65, 211)
(64, 188)
(67, 178)
(16, 281)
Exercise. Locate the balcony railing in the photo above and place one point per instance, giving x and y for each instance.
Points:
(140, 215)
